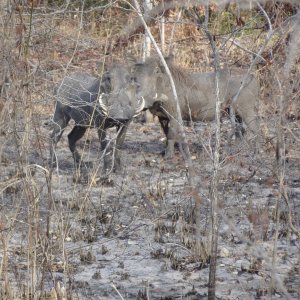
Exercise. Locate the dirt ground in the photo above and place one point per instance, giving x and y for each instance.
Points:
(131, 236)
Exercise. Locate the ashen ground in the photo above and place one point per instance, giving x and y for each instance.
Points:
(133, 234)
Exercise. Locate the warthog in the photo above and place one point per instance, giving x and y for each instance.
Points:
(196, 95)
(95, 103)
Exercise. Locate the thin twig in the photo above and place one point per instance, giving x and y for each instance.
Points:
(186, 152)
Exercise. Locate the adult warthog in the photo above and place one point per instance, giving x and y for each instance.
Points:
(196, 95)
(111, 101)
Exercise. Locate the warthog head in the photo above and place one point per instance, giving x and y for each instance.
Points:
(149, 76)
(122, 102)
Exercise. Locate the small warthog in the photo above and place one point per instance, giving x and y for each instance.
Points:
(97, 103)
(196, 95)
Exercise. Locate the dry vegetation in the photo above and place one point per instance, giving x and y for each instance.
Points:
(132, 236)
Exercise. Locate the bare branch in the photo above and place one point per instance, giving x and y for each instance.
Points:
(186, 153)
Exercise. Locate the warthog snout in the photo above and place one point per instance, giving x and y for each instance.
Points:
(120, 110)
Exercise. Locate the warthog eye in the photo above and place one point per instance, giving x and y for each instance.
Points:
(106, 79)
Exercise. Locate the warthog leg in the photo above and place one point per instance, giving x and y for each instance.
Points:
(116, 152)
(75, 135)
(102, 138)
(239, 129)
(59, 125)
(104, 144)
(119, 142)
(164, 123)
(174, 135)
(251, 120)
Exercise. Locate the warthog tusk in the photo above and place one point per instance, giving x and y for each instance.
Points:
(161, 97)
(140, 108)
(102, 105)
